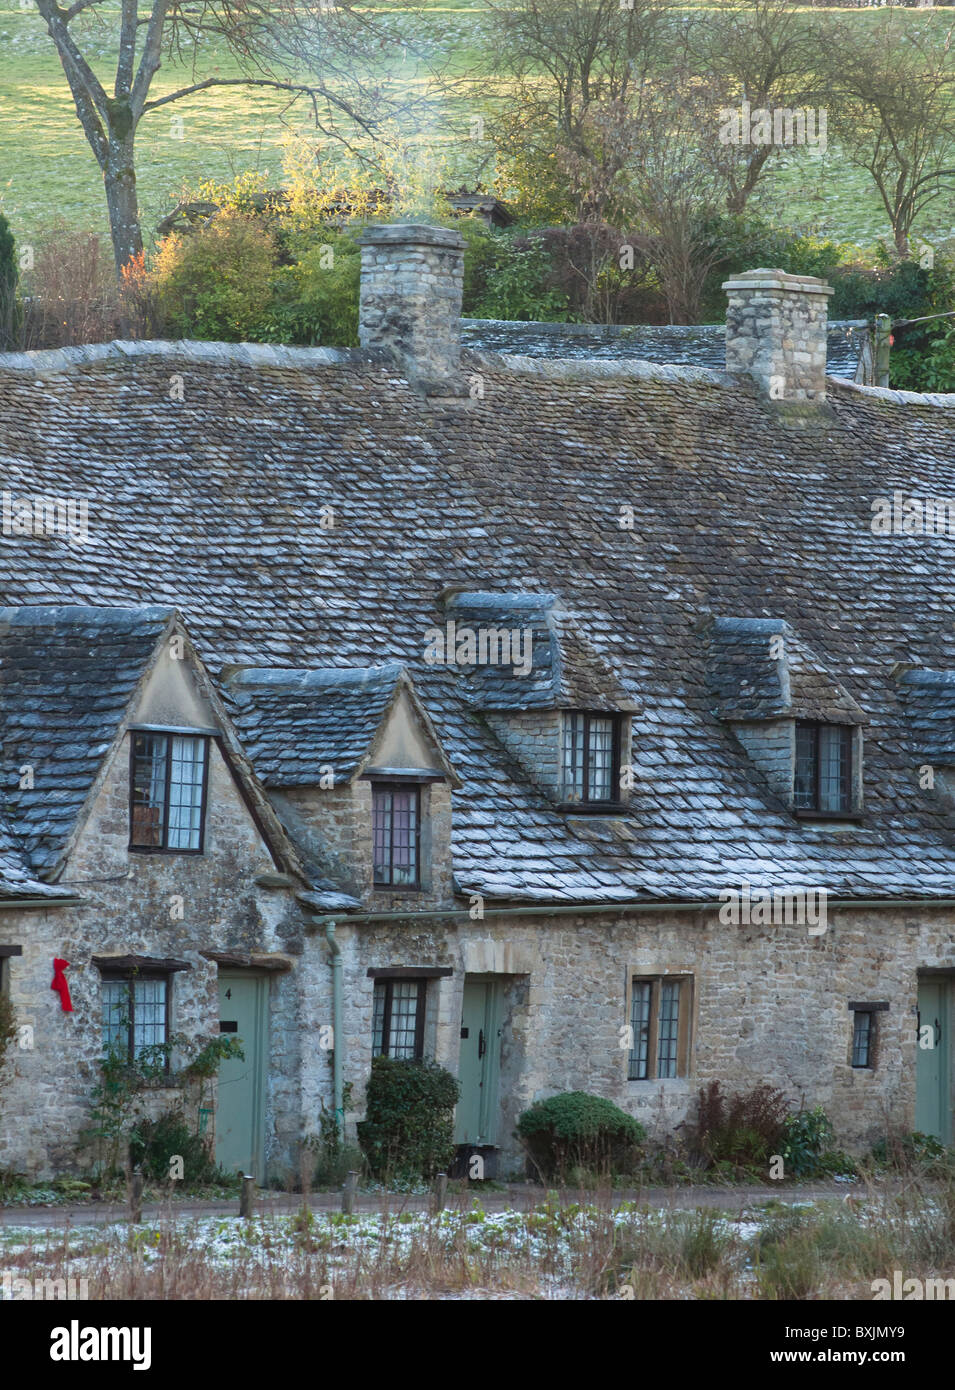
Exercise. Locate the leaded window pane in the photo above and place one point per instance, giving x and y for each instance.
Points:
(804, 789)
(640, 1023)
(185, 793)
(834, 768)
(395, 836)
(600, 761)
(862, 1039)
(668, 1028)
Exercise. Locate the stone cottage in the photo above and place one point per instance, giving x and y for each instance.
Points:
(582, 724)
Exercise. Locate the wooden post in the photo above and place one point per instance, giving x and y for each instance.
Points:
(247, 1195)
(136, 1197)
(440, 1191)
(348, 1192)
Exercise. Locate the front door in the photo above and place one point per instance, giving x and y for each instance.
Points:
(480, 1063)
(932, 1102)
(240, 1112)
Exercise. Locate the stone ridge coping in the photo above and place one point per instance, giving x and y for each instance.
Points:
(943, 399)
(411, 234)
(777, 280)
(622, 330)
(189, 350)
(56, 360)
(596, 368)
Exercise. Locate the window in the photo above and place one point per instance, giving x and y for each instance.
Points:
(396, 823)
(865, 1033)
(135, 1014)
(660, 1023)
(398, 1026)
(167, 802)
(591, 755)
(823, 780)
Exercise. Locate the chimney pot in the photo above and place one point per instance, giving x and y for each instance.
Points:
(412, 279)
(776, 327)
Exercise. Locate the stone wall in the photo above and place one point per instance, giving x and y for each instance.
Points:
(776, 332)
(412, 279)
(771, 744)
(769, 1004)
(339, 820)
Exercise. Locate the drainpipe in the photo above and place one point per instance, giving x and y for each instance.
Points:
(338, 1033)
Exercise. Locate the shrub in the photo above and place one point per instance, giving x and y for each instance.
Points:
(153, 1144)
(743, 1130)
(515, 274)
(806, 1137)
(316, 300)
(408, 1127)
(217, 282)
(576, 1129)
(71, 292)
(8, 288)
(904, 1151)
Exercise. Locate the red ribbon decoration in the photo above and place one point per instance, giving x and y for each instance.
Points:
(60, 984)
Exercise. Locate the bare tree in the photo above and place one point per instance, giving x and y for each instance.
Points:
(894, 86)
(764, 53)
(273, 41)
(677, 190)
(564, 60)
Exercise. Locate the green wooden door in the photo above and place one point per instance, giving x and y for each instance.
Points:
(932, 1102)
(240, 1110)
(480, 1063)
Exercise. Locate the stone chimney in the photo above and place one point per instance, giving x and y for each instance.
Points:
(776, 332)
(410, 302)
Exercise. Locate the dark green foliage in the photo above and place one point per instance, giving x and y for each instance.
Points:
(807, 1142)
(153, 1144)
(408, 1130)
(744, 1130)
(9, 318)
(904, 1151)
(578, 1130)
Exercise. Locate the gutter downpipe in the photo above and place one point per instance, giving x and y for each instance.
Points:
(338, 1032)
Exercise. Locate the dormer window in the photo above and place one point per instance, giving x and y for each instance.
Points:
(168, 792)
(823, 772)
(591, 757)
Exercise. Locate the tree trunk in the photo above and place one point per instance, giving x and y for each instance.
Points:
(119, 177)
(902, 242)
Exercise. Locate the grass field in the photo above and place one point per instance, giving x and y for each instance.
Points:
(47, 171)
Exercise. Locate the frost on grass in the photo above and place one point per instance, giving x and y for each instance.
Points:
(555, 1251)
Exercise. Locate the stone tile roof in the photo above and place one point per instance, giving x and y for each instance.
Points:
(929, 700)
(218, 504)
(67, 674)
(688, 345)
(751, 681)
(294, 722)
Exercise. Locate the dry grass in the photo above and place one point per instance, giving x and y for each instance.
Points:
(560, 1249)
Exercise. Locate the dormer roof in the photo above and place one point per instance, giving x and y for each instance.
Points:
(553, 666)
(295, 722)
(759, 668)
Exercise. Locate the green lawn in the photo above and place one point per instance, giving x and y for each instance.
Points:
(48, 172)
